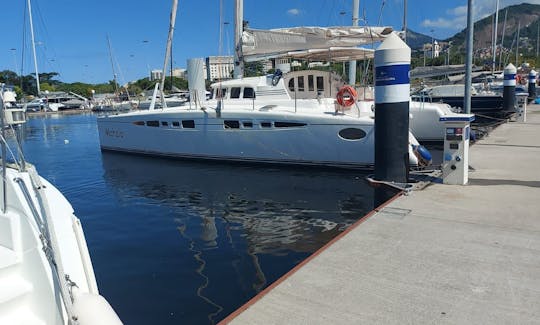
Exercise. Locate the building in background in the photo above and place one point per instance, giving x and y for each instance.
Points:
(219, 67)
(155, 75)
(179, 73)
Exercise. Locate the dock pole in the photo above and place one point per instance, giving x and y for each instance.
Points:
(532, 85)
(509, 90)
(392, 87)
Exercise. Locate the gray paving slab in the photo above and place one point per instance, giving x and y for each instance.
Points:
(445, 255)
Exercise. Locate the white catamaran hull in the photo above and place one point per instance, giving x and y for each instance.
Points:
(265, 137)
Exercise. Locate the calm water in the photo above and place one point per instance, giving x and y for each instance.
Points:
(187, 242)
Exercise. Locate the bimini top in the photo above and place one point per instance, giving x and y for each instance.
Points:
(263, 44)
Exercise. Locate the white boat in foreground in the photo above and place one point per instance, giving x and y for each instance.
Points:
(46, 275)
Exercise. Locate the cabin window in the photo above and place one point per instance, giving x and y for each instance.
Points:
(352, 134)
(138, 122)
(188, 124)
(266, 124)
(311, 86)
(301, 83)
(231, 124)
(235, 92)
(152, 123)
(320, 83)
(176, 124)
(247, 124)
(291, 84)
(164, 123)
(221, 93)
(249, 92)
(288, 124)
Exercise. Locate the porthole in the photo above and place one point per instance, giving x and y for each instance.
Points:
(288, 124)
(188, 124)
(231, 124)
(352, 134)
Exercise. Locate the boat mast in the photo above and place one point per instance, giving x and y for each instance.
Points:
(112, 66)
(502, 38)
(537, 38)
(352, 63)
(495, 37)
(238, 29)
(405, 21)
(168, 51)
(33, 45)
(469, 58)
(517, 43)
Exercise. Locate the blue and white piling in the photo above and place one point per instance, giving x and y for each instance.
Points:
(509, 90)
(392, 88)
(532, 85)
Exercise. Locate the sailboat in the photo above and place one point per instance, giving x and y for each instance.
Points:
(281, 118)
(46, 275)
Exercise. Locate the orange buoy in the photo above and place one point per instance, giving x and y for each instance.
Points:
(346, 96)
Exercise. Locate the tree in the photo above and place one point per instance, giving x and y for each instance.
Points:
(45, 86)
(254, 69)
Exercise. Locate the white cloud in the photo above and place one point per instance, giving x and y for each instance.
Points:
(457, 11)
(293, 12)
(443, 22)
(456, 18)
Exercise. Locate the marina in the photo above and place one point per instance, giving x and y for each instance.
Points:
(446, 254)
(175, 241)
(307, 171)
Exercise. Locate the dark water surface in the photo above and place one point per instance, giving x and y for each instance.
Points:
(176, 242)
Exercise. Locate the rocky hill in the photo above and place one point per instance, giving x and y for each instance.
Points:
(417, 40)
(526, 16)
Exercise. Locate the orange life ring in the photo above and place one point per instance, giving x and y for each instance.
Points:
(346, 96)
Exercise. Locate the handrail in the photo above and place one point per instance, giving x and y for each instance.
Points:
(37, 218)
(54, 258)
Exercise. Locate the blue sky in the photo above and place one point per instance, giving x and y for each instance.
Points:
(71, 35)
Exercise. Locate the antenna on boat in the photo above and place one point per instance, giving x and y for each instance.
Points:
(168, 52)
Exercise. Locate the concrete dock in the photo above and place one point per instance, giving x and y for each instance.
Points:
(444, 255)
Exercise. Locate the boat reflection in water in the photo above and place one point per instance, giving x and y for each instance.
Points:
(240, 226)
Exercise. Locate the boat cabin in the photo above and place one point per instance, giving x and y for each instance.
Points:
(304, 84)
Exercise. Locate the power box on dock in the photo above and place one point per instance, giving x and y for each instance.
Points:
(455, 165)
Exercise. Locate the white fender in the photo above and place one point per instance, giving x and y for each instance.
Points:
(91, 309)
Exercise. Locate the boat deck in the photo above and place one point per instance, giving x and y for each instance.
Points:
(447, 254)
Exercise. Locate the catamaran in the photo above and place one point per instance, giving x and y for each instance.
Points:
(288, 118)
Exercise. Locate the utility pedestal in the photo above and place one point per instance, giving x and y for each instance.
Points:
(521, 107)
(455, 165)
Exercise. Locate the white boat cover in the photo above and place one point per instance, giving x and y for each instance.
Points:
(334, 54)
(263, 44)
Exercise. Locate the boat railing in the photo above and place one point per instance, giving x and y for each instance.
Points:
(43, 219)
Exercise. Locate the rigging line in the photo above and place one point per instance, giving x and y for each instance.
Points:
(220, 45)
(23, 41)
(381, 12)
(45, 36)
